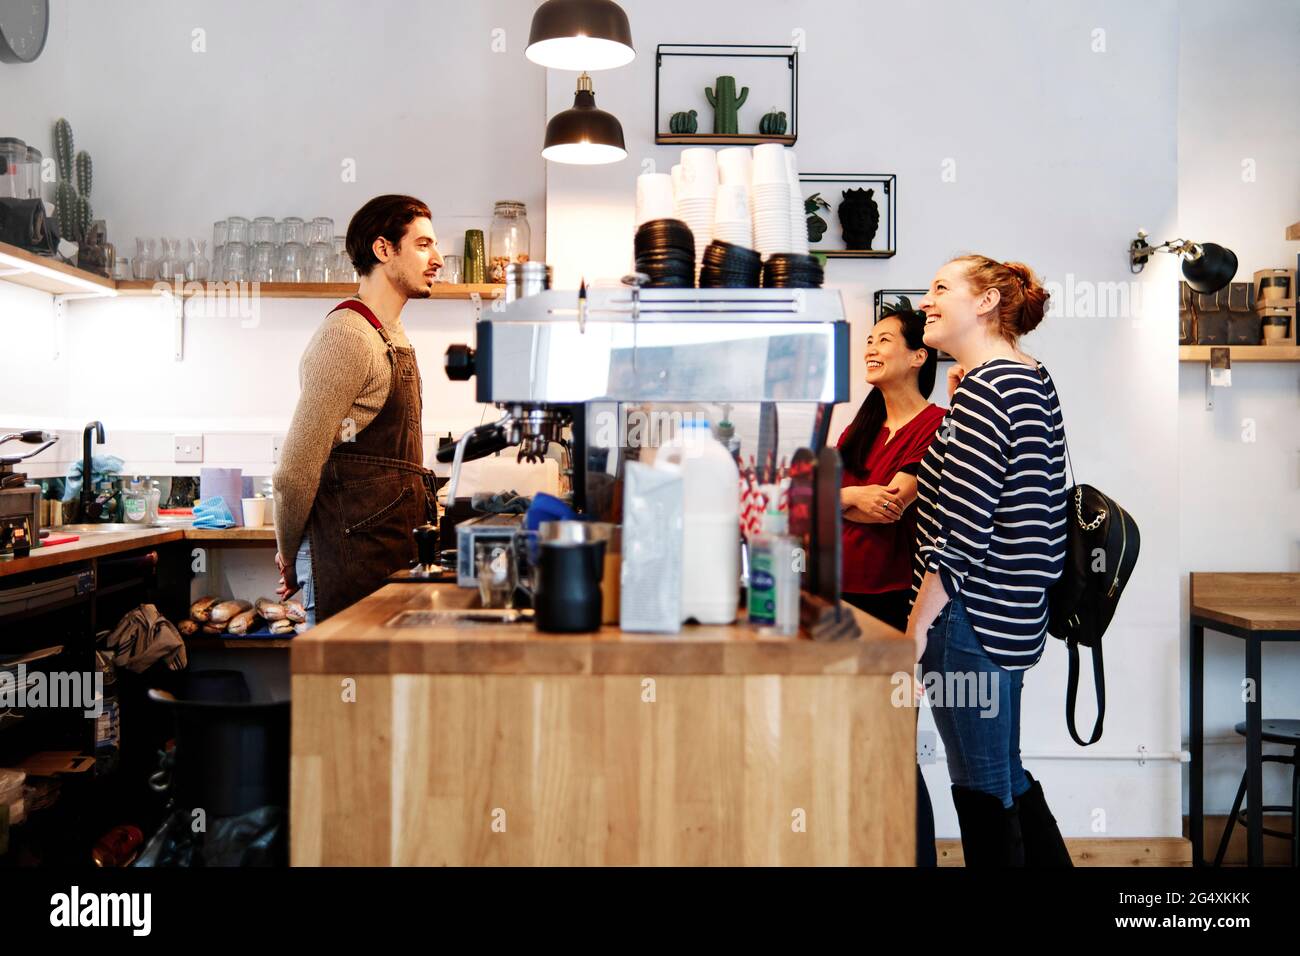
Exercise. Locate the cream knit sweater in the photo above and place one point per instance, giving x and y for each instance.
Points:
(344, 377)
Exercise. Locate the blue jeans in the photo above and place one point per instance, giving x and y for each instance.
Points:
(302, 571)
(976, 706)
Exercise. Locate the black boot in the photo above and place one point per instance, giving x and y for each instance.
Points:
(990, 832)
(1043, 843)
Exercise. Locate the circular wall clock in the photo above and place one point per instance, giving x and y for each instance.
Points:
(24, 25)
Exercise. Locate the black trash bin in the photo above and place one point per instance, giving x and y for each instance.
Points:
(232, 754)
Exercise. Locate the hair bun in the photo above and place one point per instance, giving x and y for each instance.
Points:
(1034, 306)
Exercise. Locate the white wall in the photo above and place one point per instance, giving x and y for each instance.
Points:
(1239, 502)
(434, 99)
(1058, 162)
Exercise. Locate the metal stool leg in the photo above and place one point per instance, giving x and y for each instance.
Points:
(1232, 822)
(1295, 808)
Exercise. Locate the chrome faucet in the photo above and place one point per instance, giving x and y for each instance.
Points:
(87, 485)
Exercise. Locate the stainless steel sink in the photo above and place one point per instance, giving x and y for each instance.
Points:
(103, 527)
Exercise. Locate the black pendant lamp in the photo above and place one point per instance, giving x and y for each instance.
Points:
(580, 35)
(584, 135)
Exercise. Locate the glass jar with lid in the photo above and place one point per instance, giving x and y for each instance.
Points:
(13, 168)
(509, 239)
(34, 160)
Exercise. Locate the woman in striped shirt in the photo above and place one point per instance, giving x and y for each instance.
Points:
(990, 542)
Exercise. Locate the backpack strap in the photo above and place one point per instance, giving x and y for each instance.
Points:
(1072, 694)
(1046, 379)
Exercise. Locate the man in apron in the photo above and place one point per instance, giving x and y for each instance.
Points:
(350, 485)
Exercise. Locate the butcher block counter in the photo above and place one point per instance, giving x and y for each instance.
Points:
(467, 743)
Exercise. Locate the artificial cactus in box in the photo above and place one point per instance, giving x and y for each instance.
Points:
(726, 104)
(772, 124)
(683, 122)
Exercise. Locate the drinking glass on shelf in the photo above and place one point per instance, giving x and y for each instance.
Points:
(320, 230)
(320, 259)
(220, 233)
(237, 230)
(450, 271)
(234, 266)
(262, 263)
(343, 268)
(292, 261)
(122, 269)
(145, 264)
(263, 231)
(197, 269)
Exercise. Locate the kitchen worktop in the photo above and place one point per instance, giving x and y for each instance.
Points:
(358, 641)
(100, 543)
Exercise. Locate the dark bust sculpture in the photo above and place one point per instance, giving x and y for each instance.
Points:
(859, 218)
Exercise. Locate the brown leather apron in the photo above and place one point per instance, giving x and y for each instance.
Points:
(373, 491)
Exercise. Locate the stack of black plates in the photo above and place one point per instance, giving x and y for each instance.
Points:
(665, 251)
(728, 266)
(790, 270)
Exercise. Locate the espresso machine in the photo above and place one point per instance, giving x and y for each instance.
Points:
(20, 501)
(579, 371)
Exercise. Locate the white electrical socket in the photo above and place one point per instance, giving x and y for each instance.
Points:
(926, 747)
(189, 447)
(276, 442)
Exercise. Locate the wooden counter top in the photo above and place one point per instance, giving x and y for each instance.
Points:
(357, 641)
(99, 544)
(1252, 601)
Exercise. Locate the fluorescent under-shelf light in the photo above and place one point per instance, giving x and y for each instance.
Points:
(33, 268)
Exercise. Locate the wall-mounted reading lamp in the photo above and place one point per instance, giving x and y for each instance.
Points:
(1207, 267)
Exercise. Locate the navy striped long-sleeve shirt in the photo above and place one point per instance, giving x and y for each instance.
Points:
(991, 506)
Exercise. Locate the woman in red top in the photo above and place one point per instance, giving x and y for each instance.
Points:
(881, 451)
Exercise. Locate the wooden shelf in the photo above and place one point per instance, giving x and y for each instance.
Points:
(722, 139)
(856, 253)
(24, 268)
(304, 290)
(1293, 231)
(1242, 353)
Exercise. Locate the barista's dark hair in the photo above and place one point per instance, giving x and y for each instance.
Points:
(866, 424)
(386, 216)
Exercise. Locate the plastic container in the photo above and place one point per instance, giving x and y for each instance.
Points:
(135, 504)
(711, 538)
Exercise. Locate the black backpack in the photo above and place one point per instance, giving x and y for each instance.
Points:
(1101, 550)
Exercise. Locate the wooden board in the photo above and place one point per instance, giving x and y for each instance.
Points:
(65, 278)
(1241, 353)
(1293, 231)
(87, 546)
(1257, 601)
(1101, 851)
(460, 770)
(357, 641)
(305, 290)
(98, 544)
